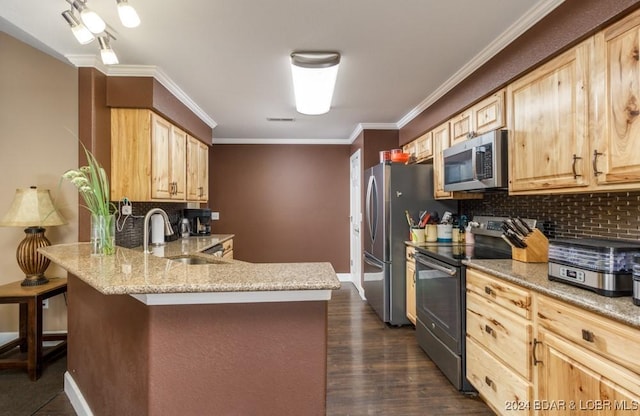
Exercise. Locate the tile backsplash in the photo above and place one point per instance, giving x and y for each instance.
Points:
(129, 232)
(600, 215)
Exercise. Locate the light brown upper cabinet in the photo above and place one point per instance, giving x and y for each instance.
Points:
(197, 170)
(574, 121)
(615, 153)
(484, 116)
(148, 157)
(549, 124)
(424, 147)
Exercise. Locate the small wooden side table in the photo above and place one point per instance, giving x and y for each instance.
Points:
(30, 336)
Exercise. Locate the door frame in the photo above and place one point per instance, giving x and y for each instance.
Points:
(355, 220)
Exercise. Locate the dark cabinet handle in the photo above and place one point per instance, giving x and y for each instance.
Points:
(596, 172)
(535, 359)
(588, 335)
(573, 166)
(488, 290)
(488, 381)
(489, 330)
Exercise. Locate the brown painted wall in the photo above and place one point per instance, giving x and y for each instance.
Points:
(147, 92)
(565, 26)
(230, 359)
(371, 142)
(284, 203)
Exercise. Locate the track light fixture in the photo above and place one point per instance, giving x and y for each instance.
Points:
(91, 25)
(107, 54)
(80, 31)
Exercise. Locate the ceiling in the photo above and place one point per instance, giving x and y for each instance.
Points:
(229, 60)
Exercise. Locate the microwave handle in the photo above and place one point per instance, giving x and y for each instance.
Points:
(477, 162)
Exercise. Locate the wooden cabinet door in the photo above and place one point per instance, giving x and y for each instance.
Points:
(423, 147)
(130, 154)
(488, 114)
(197, 170)
(616, 152)
(411, 290)
(440, 142)
(548, 120)
(161, 186)
(177, 163)
(461, 127)
(572, 380)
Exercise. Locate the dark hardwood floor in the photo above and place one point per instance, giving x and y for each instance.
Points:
(373, 369)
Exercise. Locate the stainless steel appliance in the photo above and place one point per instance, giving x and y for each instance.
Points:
(601, 265)
(392, 189)
(200, 220)
(440, 295)
(477, 164)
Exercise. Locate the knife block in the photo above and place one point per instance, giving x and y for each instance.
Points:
(537, 250)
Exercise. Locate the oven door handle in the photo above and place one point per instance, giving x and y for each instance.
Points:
(447, 270)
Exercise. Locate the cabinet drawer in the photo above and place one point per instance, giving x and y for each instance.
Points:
(227, 245)
(411, 252)
(505, 334)
(615, 341)
(500, 387)
(512, 297)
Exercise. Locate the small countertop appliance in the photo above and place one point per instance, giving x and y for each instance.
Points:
(199, 219)
(603, 266)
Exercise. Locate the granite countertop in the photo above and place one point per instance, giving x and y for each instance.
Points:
(130, 271)
(535, 276)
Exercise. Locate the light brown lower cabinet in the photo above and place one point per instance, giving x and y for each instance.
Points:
(227, 247)
(411, 284)
(564, 360)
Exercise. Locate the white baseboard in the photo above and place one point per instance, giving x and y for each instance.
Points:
(10, 336)
(75, 396)
(344, 277)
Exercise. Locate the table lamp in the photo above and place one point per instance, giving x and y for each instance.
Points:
(32, 208)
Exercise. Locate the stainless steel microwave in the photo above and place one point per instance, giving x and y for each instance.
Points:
(477, 164)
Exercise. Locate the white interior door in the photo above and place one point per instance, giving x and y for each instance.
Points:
(356, 221)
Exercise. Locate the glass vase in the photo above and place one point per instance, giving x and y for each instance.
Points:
(103, 234)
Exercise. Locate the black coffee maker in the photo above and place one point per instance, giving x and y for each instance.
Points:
(199, 219)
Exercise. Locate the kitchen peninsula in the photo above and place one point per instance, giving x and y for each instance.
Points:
(155, 336)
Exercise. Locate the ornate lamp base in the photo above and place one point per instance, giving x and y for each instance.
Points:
(32, 263)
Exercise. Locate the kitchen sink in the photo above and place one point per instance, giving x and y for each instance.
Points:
(191, 259)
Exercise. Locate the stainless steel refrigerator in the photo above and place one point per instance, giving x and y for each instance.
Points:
(392, 189)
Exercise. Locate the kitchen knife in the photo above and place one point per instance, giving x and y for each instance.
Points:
(512, 227)
(525, 225)
(515, 239)
(504, 237)
(521, 229)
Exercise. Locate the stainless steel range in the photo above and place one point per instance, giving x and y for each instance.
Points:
(440, 295)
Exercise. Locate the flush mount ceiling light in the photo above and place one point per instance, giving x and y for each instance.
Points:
(106, 52)
(80, 31)
(314, 78)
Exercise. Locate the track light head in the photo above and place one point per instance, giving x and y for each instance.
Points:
(80, 31)
(91, 19)
(128, 15)
(107, 54)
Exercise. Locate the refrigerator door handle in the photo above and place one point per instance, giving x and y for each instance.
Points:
(369, 260)
(372, 207)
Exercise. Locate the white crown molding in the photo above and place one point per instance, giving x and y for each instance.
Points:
(540, 10)
(370, 126)
(143, 71)
(218, 140)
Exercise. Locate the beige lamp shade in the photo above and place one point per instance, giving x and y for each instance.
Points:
(32, 207)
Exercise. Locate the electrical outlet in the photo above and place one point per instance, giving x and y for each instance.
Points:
(215, 215)
(45, 304)
(126, 209)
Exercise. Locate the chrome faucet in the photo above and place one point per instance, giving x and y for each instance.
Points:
(167, 226)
